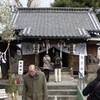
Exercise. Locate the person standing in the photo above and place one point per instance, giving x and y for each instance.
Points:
(47, 66)
(34, 85)
(93, 88)
(57, 67)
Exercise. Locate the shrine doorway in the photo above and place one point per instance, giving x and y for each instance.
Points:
(52, 52)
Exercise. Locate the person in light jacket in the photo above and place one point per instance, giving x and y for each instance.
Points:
(34, 85)
(47, 66)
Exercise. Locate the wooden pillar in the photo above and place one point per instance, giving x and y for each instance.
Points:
(71, 56)
(37, 59)
(36, 54)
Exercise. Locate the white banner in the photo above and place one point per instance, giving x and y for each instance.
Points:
(98, 55)
(20, 67)
(81, 66)
(27, 48)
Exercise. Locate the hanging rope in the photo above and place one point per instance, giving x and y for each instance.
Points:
(3, 54)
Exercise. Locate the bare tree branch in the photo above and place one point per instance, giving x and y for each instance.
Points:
(18, 3)
(29, 3)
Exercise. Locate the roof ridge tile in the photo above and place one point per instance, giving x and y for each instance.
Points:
(55, 9)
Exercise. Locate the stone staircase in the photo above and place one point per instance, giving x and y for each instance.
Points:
(62, 91)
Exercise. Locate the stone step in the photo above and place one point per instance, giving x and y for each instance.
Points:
(65, 90)
(61, 86)
(62, 92)
(64, 77)
(62, 97)
(3, 94)
(63, 73)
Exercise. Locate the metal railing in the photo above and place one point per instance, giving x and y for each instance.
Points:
(81, 81)
(79, 94)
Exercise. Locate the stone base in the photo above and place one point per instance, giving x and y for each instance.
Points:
(91, 76)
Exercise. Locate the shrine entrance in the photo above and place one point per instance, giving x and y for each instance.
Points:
(52, 53)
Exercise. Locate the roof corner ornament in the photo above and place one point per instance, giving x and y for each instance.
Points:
(91, 9)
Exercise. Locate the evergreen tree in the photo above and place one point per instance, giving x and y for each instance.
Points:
(78, 3)
(62, 3)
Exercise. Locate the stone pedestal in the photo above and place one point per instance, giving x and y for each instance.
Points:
(91, 72)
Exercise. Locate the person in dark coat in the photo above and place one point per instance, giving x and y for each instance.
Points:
(34, 85)
(90, 87)
(57, 67)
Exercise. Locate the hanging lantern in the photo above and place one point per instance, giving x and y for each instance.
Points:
(61, 42)
(47, 46)
(33, 48)
(53, 50)
(58, 45)
(68, 46)
(61, 46)
(36, 48)
(64, 45)
(43, 45)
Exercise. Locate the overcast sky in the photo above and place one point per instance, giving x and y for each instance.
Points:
(45, 3)
(41, 3)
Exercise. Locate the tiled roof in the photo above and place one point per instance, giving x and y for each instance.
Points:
(55, 22)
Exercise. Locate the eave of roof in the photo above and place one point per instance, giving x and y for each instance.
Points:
(55, 37)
